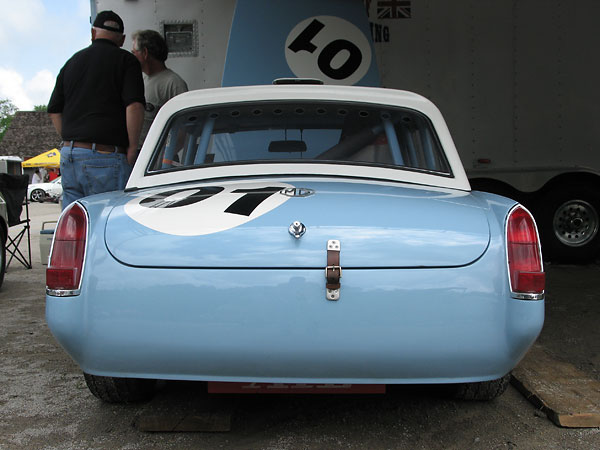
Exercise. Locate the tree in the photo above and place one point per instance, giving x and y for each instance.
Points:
(7, 112)
(43, 108)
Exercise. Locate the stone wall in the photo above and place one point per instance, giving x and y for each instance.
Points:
(29, 134)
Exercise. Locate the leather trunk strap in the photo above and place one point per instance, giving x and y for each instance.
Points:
(333, 271)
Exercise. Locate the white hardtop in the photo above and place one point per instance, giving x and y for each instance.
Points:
(248, 94)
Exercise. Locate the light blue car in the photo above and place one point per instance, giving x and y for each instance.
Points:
(296, 234)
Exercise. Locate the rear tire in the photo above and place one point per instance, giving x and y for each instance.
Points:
(569, 224)
(120, 390)
(483, 390)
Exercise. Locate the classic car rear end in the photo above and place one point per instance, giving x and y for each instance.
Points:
(296, 235)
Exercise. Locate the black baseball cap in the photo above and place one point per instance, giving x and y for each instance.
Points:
(109, 20)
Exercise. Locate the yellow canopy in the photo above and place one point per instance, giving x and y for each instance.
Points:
(51, 158)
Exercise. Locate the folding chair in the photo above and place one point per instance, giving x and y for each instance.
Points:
(14, 191)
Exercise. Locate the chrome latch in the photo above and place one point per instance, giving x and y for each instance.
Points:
(333, 270)
(297, 229)
(333, 294)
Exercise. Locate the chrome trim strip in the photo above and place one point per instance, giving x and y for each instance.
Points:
(522, 296)
(62, 292)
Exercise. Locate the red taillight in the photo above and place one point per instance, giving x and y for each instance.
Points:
(68, 250)
(524, 254)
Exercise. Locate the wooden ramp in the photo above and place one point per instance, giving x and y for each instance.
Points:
(569, 397)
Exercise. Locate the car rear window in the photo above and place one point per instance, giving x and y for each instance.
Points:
(301, 131)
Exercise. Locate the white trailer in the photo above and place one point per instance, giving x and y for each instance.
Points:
(515, 79)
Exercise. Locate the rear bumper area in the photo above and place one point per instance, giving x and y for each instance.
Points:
(389, 326)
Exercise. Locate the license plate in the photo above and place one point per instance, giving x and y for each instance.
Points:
(217, 387)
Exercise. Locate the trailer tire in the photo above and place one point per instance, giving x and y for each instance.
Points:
(120, 390)
(569, 223)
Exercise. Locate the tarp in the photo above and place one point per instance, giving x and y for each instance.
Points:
(51, 158)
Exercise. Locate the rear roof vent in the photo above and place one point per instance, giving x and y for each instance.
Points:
(297, 81)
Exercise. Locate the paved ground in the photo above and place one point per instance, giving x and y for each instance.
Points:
(44, 402)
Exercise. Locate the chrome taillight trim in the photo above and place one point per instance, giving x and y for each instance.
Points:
(72, 292)
(63, 292)
(522, 295)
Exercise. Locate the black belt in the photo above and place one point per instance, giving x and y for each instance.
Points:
(102, 148)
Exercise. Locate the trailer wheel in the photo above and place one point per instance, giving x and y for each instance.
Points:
(569, 222)
(120, 390)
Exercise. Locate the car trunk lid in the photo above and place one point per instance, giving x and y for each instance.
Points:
(251, 225)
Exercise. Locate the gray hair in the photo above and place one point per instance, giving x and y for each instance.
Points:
(153, 42)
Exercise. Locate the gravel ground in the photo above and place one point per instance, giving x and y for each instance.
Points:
(45, 404)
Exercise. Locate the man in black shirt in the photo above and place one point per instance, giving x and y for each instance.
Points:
(97, 106)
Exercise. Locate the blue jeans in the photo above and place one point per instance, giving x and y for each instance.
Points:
(86, 172)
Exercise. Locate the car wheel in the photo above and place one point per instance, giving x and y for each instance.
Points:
(37, 195)
(120, 390)
(483, 390)
(569, 223)
(2, 257)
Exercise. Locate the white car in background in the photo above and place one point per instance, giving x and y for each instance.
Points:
(39, 192)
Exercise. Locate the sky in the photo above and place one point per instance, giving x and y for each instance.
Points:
(36, 39)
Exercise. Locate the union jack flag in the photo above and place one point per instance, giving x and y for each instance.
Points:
(393, 9)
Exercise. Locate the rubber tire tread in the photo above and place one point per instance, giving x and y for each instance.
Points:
(120, 390)
(483, 390)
